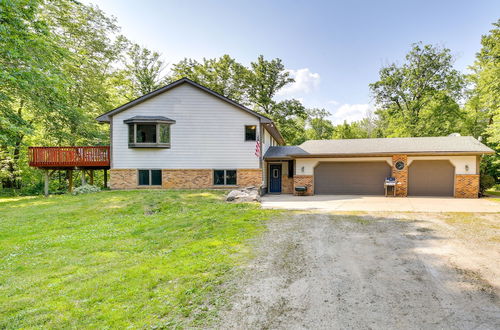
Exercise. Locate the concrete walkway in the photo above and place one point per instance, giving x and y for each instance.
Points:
(379, 203)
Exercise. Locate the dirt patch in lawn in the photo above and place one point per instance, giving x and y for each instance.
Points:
(340, 271)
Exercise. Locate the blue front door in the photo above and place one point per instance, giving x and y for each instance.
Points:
(275, 178)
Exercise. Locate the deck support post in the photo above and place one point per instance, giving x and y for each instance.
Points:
(105, 178)
(91, 173)
(70, 181)
(46, 185)
(83, 178)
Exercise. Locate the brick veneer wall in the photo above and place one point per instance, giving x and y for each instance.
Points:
(466, 185)
(186, 179)
(401, 176)
(183, 178)
(122, 178)
(249, 177)
(286, 184)
(304, 180)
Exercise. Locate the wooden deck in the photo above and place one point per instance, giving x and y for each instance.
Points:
(70, 157)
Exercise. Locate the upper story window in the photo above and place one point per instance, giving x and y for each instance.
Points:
(250, 133)
(149, 131)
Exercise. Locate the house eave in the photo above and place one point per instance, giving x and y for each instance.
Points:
(275, 133)
(388, 154)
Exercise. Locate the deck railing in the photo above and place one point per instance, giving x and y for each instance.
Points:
(69, 156)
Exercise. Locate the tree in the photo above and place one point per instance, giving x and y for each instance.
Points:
(223, 75)
(487, 81)
(264, 81)
(290, 118)
(95, 50)
(421, 96)
(255, 87)
(483, 106)
(349, 131)
(319, 128)
(56, 61)
(31, 79)
(144, 69)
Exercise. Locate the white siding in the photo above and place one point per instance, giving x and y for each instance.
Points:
(463, 164)
(460, 162)
(267, 141)
(209, 133)
(305, 166)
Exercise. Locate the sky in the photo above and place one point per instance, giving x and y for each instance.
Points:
(333, 49)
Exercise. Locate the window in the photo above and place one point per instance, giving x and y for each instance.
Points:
(145, 133)
(250, 133)
(164, 133)
(149, 177)
(224, 177)
(149, 135)
(149, 132)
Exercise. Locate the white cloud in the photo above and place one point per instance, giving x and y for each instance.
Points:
(350, 112)
(305, 82)
(333, 102)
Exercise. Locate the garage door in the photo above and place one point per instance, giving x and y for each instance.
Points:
(430, 178)
(351, 178)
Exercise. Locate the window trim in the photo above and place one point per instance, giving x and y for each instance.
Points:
(245, 132)
(225, 177)
(158, 144)
(150, 177)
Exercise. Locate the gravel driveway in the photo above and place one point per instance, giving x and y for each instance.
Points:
(323, 271)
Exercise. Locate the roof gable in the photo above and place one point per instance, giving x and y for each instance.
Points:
(106, 116)
(267, 122)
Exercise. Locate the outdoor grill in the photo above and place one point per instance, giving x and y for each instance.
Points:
(390, 183)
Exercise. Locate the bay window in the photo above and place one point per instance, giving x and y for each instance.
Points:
(149, 132)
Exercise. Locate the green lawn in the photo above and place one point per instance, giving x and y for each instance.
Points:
(493, 194)
(120, 259)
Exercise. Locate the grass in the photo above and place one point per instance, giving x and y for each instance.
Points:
(482, 227)
(120, 259)
(493, 192)
(493, 195)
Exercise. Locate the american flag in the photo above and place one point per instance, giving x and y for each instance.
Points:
(257, 148)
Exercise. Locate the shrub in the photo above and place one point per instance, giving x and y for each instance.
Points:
(486, 182)
(86, 189)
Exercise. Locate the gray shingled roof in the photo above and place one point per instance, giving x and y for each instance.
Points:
(149, 119)
(442, 144)
(283, 151)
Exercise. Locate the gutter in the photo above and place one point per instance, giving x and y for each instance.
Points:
(385, 154)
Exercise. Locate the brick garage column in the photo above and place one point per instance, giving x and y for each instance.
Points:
(304, 180)
(122, 178)
(249, 177)
(400, 175)
(467, 185)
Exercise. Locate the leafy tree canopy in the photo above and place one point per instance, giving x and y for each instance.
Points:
(421, 96)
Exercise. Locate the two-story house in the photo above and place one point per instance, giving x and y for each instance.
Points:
(185, 135)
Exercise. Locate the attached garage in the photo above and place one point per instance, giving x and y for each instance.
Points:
(431, 178)
(351, 178)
